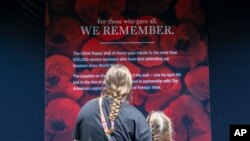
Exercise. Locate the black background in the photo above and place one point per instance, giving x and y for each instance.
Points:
(22, 68)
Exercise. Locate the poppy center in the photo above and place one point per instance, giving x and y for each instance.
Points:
(182, 45)
(58, 125)
(58, 39)
(53, 80)
(187, 121)
(104, 14)
(144, 40)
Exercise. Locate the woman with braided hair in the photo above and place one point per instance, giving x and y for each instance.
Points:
(111, 117)
(161, 126)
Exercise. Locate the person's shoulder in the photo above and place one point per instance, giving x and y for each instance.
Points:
(133, 111)
(134, 117)
(91, 102)
(87, 109)
(131, 107)
(89, 105)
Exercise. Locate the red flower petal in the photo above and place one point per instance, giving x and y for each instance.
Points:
(134, 69)
(70, 91)
(138, 98)
(64, 30)
(190, 11)
(59, 71)
(187, 114)
(206, 137)
(73, 92)
(61, 115)
(62, 136)
(64, 36)
(197, 82)
(91, 11)
(184, 47)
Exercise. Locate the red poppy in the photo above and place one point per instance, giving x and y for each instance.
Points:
(91, 11)
(189, 118)
(184, 48)
(148, 7)
(60, 115)
(59, 71)
(197, 82)
(190, 11)
(156, 86)
(64, 36)
(64, 30)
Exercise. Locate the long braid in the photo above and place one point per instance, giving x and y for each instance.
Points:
(167, 137)
(117, 84)
(115, 107)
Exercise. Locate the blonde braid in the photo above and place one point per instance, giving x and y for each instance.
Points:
(115, 106)
(167, 137)
(117, 85)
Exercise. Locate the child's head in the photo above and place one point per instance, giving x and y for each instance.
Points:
(161, 126)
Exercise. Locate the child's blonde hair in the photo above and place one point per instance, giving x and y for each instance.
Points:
(161, 126)
(117, 84)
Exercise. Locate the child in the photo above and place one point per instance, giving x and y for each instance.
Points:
(161, 126)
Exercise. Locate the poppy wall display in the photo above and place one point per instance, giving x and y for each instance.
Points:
(162, 42)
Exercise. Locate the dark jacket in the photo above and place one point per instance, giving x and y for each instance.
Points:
(130, 125)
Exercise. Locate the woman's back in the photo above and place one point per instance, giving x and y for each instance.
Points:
(130, 125)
